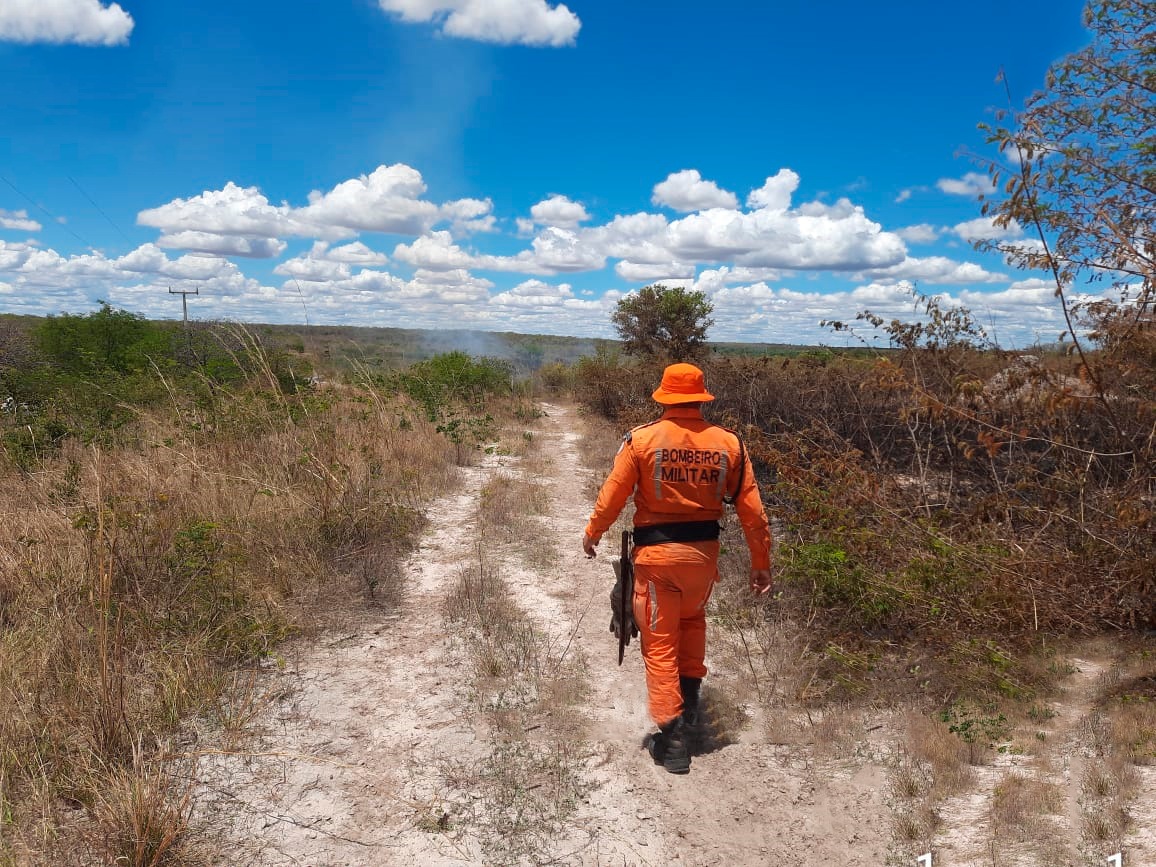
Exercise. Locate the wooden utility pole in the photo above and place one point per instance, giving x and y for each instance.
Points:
(184, 293)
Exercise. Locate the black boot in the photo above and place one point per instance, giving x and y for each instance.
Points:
(668, 747)
(691, 718)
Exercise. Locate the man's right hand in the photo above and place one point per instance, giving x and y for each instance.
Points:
(761, 581)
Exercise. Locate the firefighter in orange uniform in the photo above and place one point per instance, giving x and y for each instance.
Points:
(681, 470)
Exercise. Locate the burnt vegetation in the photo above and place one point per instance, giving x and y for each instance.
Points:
(946, 500)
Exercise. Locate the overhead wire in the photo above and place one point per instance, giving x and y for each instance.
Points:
(99, 210)
(58, 220)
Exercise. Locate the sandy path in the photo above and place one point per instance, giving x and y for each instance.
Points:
(966, 835)
(346, 771)
(350, 765)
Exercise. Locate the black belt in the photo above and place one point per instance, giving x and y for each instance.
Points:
(683, 531)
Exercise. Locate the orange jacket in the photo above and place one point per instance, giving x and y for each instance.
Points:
(679, 468)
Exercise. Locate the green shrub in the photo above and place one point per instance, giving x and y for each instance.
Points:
(455, 377)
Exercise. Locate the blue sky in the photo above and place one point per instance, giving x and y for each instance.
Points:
(512, 164)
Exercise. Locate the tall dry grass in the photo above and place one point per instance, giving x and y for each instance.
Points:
(135, 581)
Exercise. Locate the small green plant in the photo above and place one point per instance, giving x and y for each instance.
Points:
(1041, 713)
(468, 433)
(839, 582)
(973, 725)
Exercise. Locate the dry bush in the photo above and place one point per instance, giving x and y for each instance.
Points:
(908, 776)
(946, 757)
(1133, 732)
(1021, 806)
(141, 814)
(133, 581)
(1109, 786)
(509, 504)
(1111, 778)
(945, 490)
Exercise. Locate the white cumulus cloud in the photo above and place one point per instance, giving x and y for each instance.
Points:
(559, 211)
(355, 253)
(223, 245)
(985, 229)
(687, 191)
(972, 184)
(80, 22)
(230, 211)
(241, 221)
(469, 215)
(18, 221)
(653, 272)
(775, 194)
(534, 293)
(386, 200)
(923, 233)
(435, 251)
(938, 270)
(313, 270)
(814, 236)
(505, 22)
(561, 250)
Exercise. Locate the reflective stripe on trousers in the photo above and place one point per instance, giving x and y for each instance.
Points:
(672, 584)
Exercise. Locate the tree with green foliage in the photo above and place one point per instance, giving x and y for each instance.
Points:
(664, 322)
(1082, 159)
(106, 341)
(455, 377)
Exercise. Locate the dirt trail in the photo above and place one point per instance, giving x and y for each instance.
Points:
(350, 767)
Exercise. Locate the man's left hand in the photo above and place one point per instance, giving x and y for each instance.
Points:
(761, 581)
(588, 546)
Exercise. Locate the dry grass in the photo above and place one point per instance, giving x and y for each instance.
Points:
(525, 684)
(1020, 808)
(141, 815)
(1119, 738)
(530, 780)
(513, 503)
(1133, 732)
(134, 582)
(599, 443)
(939, 754)
(510, 506)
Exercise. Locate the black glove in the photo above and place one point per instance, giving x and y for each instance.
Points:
(615, 626)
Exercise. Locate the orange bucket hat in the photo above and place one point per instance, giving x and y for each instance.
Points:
(682, 383)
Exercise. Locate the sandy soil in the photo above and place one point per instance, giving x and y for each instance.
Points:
(349, 763)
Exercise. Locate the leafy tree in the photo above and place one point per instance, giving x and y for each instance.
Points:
(662, 322)
(1083, 159)
(456, 376)
(106, 341)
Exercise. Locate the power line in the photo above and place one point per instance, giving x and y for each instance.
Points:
(99, 210)
(41, 207)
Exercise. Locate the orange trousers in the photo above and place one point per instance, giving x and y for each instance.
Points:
(672, 585)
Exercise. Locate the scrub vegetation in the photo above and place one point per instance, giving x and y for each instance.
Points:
(175, 503)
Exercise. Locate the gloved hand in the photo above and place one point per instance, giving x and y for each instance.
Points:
(615, 626)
